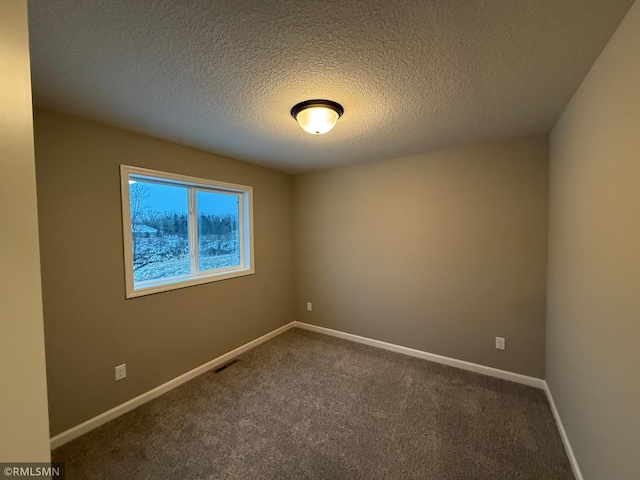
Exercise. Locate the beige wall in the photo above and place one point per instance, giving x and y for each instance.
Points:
(90, 327)
(441, 252)
(593, 330)
(23, 394)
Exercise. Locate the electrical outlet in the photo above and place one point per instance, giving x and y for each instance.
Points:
(121, 371)
(500, 345)
(309, 306)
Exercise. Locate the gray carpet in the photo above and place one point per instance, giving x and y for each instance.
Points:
(308, 406)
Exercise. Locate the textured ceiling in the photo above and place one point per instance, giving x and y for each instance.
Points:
(412, 75)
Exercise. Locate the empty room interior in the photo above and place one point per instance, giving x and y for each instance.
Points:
(320, 240)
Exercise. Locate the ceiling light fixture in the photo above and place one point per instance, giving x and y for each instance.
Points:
(317, 116)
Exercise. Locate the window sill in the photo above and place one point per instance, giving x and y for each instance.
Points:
(159, 286)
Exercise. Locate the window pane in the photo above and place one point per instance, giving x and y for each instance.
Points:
(160, 232)
(218, 236)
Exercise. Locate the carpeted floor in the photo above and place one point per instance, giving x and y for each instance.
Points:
(309, 406)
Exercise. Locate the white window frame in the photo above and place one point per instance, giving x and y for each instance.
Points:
(193, 184)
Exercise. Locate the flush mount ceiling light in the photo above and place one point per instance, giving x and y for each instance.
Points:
(317, 116)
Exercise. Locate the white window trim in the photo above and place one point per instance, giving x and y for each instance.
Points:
(245, 199)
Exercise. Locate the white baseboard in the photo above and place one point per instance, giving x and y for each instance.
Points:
(452, 362)
(563, 434)
(123, 408)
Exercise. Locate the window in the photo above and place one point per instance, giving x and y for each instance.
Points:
(181, 231)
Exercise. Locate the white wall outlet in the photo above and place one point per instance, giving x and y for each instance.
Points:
(500, 343)
(309, 307)
(121, 371)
